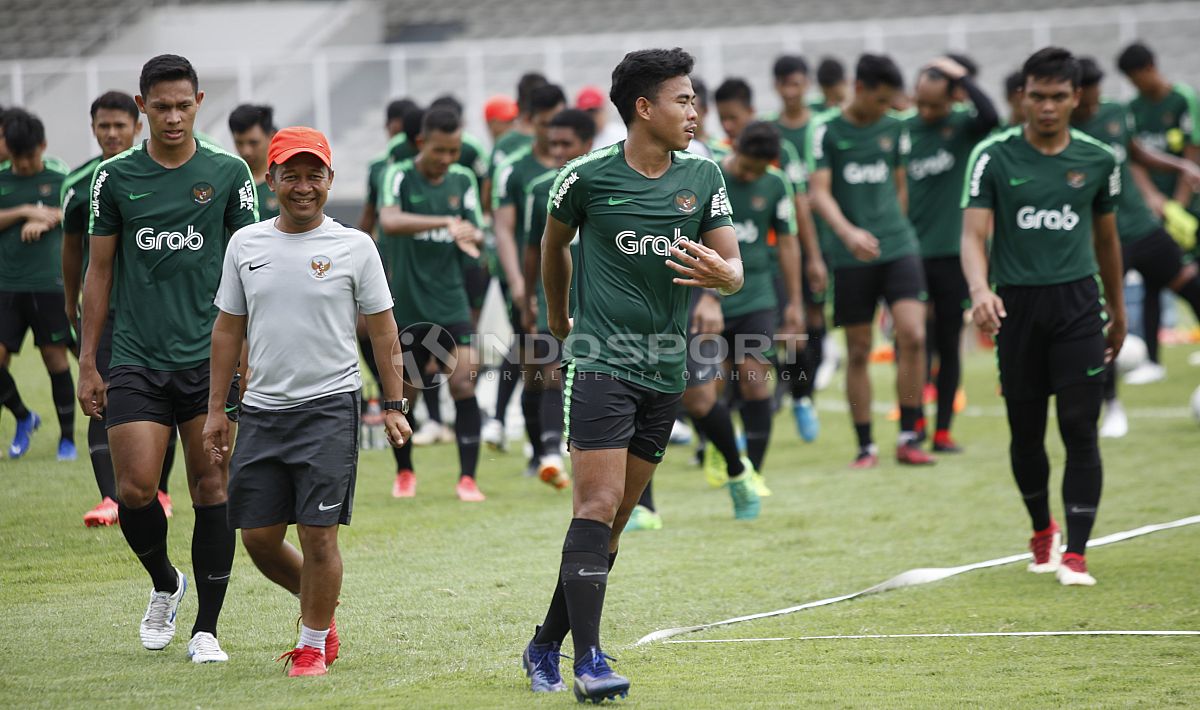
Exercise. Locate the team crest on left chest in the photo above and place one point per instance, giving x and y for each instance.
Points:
(1076, 178)
(202, 193)
(758, 202)
(454, 201)
(885, 143)
(686, 201)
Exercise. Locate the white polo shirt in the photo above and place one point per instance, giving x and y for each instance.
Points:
(302, 294)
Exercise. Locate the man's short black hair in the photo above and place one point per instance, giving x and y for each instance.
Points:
(448, 102)
(1134, 57)
(396, 109)
(1013, 83)
(1054, 63)
(115, 101)
(23, 132)
(700, 89)
(166, 67)
(830, 72)
(789, 64)
(965, 62)
(1090, 73)
(579, 121)
(734, 89)
(525, 86)
(414, 123)
(875, 70)
(247, 116)
(440, 120)
(642, 73)
(760, 140)
(545, 98)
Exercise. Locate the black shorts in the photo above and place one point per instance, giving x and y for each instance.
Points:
(421, 341)
(44, 313)
(605, 412)
(476, 280)
(1156, 256)
(949, 293)
(857, 289)
(295, 465)
(1053, 337)
(544, 347)
(139, 394)
(746, 336)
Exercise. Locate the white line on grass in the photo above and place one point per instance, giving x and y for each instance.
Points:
(944, 636)
(913, 577)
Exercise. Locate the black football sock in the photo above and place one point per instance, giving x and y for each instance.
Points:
(863, 433)
(583, 575)
(213, 545)
(552, 419)
(909, 417)
(9, 396)
(168, 461)
(531, 410)
(1078, 409)
(949, 375)
(1027, 451)
(717, 426)
(403, 454)
(1190, 292)
(756, 417)
(466, 431)
(432, 395)
(510, 374)
(647, 499)
(557, 623)
(62, 391)
(145, 529)
(102, 466)
(1151, 321)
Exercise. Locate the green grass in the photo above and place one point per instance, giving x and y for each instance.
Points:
(440, 597)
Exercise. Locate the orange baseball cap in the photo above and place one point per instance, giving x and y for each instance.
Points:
(590, 98)
(500, 108)
(294, 140)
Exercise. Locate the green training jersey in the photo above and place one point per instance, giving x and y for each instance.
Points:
(718, 147)
(268, 203)
(537, 195)
(862, 161)
(31, 267)
(506, 145)
(76, 203)
(1042, 205)
(1113, 125)
(1168, 125)
(172, 225)
(474, 157)
(426, 268)
(631, 319)
(512, 179)
(936, 168)
(760, 208)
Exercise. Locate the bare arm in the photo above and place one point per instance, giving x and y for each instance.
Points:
(1108, 255)
(1183, 188)
(381, 328)
(901, 178)
(987, 309)
(532, 261)
(1141, 179)
(398, 223)
(368, 219)
(72, 269)
(556, 275)
(96, 289)
(504, 220)
(860, 242)
(12, 215)
(810, 245)
(228, 340)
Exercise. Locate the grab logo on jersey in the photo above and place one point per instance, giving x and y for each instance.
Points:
(630, 243)
(149, 240)
(874, 173)
(441, 235)
(940, 162)
(1029, 217)
(747, 232)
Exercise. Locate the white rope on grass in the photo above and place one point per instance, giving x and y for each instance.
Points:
(986, 634)
(911, 578)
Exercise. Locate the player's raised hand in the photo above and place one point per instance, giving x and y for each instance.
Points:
(33, 230)
(216, 436)
(862, 244)
(987, 310)
(700, 266)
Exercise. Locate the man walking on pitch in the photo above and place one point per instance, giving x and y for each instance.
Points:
(297, 451)
(635, 204)
(1050, 192)
(252, 127)
(160, 215)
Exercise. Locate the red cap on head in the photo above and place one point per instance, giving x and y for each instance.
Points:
(294, 140)
(589, 98)
(500, 108)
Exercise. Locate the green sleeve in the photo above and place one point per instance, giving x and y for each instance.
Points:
(979, 188)
(1110, 191)
(718, 213)
(389, 186)
(470, 202)
(784, 221)
(241, 204)
(105, 215)
(568, 198)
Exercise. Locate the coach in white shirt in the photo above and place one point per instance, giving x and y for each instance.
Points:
(297, 284)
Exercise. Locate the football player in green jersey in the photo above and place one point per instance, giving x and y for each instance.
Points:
(831, 77)
(31, 295)
(522, 131)
(116, 124)
(652, 220)
(430, 207)
(508, 221)
(943, 132)
(252, 127)
(1046, 196)
(858, 184)
(161, 215)
(1014, 96)
(1145, 245)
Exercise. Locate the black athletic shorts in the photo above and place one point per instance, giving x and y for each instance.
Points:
(948, 291)
(1053, 337)
(295, 465)
(749, 335)
(476, 279)
(44, 313)
(546, 349)
(139, 394)
(1156, 256)
(421, 341)
(857, 289)
(602, 411)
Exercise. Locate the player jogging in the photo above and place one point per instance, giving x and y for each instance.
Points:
(636, 205)
(161, 215)
(1050, 191)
